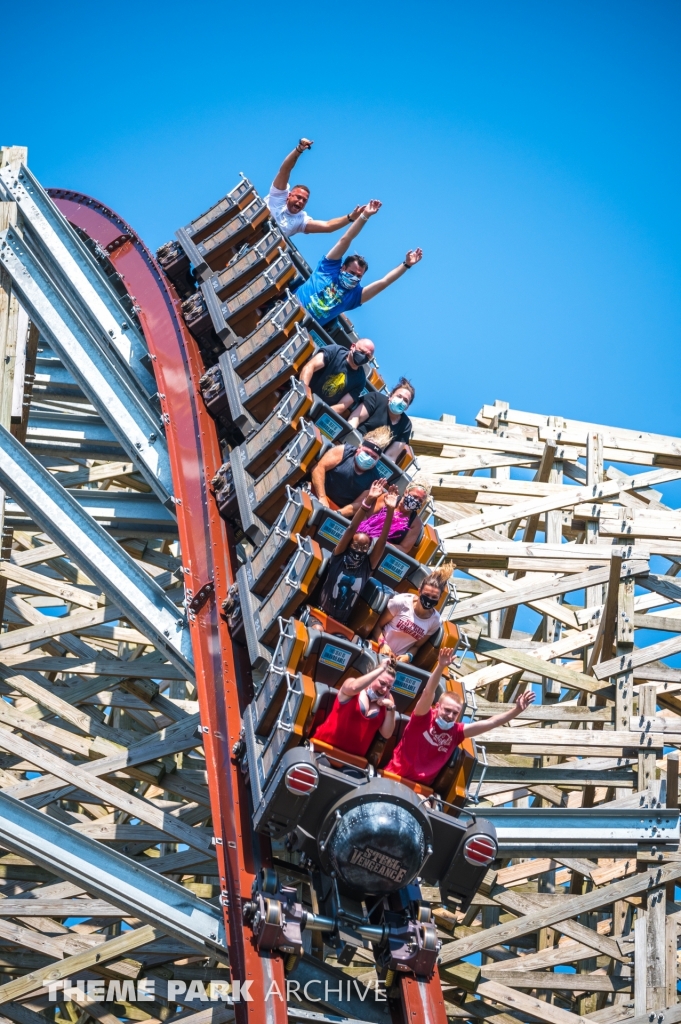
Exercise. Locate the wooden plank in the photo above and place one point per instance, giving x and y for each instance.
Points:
(54, 626)
(100, 954)
(523, 509)
(104, 791)
(545, 918)
(638, 657)
(559, 981)
(527, 1004)
(570, 677)
(536, 591)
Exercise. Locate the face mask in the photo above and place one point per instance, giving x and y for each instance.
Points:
(429, 602)
(347, 281)
(411, 503)
(398, 405)
(365, 460)
(353, 559)
(442, 724)
(359, 358)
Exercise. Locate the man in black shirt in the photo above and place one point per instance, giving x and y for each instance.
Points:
(378, 410)
(336, 374)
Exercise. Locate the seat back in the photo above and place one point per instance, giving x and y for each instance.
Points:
(330, 659)
(222, 211)
(259, 450)
(216, 249)
(369, 607)
(453, 781)
(267, 494)
(331, 424)
(446, 636)
(257, 388)
(267, 562)
(291, 645)
(427, 546)
(408, 685)
(248, 262)
(266, 286)
(399, 571)
(326, 525)
(269, 334)
(290, 590)
(288, 729)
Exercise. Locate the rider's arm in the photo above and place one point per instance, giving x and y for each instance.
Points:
(393, 275)
(318, 475)
(288, 163)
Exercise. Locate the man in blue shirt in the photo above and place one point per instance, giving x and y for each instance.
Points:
(335, 285)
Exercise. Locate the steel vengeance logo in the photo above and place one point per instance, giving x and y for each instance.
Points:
(378, 863)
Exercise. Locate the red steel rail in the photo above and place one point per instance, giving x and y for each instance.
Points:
(208, 556)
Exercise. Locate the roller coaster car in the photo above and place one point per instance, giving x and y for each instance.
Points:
(225, 209)
(249, 261)
(371, 835)
(258, 502)
(252, 399)
(215, 250)
(261, 618)
(272, 331)
(238, 312)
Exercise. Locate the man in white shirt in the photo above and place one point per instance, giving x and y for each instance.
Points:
(287, 206)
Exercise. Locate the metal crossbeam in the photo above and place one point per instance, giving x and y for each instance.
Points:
(120, 406)
(552, 829)
(60, 515)
(79, 271)
(118, 510)
(125, 883)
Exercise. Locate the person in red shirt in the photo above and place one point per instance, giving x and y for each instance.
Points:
(362, 708)
(433, 731)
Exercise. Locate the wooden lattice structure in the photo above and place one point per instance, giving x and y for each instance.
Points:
(99, 729)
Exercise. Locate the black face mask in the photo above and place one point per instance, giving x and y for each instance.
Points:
(359, 358)
(411, 503)
(428, 602)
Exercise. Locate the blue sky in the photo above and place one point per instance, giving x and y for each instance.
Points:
(530, 148)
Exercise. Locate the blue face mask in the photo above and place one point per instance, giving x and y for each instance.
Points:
(347, 281)
(443, 724)
(365, 460)
(398, 405)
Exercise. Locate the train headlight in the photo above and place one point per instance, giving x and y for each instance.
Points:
(301, 779)
(480, 850)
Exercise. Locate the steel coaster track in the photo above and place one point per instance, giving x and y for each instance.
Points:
(209, 562)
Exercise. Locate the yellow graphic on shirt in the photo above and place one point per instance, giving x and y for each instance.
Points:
(332, 385)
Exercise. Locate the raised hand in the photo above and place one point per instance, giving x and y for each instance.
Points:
(413, 256)
(376, 490)
(372, 207)
(392, 497)
(524, 700)
(354, 214)
(445, 657)
(304, 144)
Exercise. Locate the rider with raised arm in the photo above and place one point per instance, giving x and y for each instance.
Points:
(344, 474)
(335, 284)
(434, 730)
(352, 562)
(362, 708)
(287, 206)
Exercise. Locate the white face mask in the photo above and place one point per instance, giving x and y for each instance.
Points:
(444, 725)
